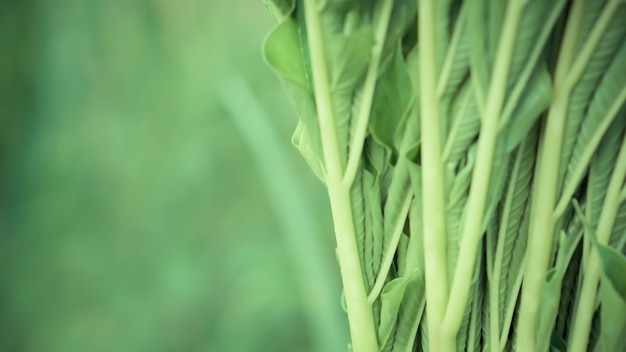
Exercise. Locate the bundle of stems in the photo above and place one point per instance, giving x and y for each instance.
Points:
(474, 154)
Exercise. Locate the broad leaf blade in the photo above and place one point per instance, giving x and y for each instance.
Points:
(613, 298)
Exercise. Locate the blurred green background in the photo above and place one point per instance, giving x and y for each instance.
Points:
(150, 199)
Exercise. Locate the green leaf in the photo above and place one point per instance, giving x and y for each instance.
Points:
(410, 313)
(552, 289)
(371, 205)
(601, 168)
(610, 89)
(535, 14)
(377, 160)
(456, 63)
(457, 199)
(612, 290)
(416, 256)
(579, 98)
(401, 255)
(597, 69)
(512, 215)
(469, 329)
(443, 24)
(359, 221)
(374, 212)
(465, 119)
(283, 51)
(480, 310)
(557, 342)
(391, 299)
(515, 273)
(548, 307)
(395, 212)
(571, 279)
(301, 141)
(594, 332)
(392, 98)
(498, 178)
(461, 184)
(569, 288)
(402, 302)
(550, 35)
(534, 101)
(479, 59)
(347, 57)
(613, 299)
(403, 17)
(494, 15)
(423, 328)
(618, 235)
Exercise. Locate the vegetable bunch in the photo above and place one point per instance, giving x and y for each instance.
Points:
(474, 154)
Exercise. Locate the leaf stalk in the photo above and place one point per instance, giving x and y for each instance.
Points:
(542, 223)
(587, 302)
(360, 317)
(472, 231)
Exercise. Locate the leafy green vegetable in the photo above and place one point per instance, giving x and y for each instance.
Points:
(453, 137)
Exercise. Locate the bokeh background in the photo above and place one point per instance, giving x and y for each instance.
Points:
(150, 199)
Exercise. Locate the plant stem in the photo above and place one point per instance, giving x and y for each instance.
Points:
(395, 234)
(432, 180)
(361, 321)
(531, 64)
(356, 143)
(587, 154)
(472, 230)
(541, 231)
(587, 302)
(362, 328)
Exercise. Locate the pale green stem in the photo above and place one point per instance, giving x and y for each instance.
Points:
(362, 329)
(573, 76)
(360, 317)
(396, 230)
(356, 143)
(587, 302)
(395, 234)
(432, 181)
(541, 230)
(472, 231)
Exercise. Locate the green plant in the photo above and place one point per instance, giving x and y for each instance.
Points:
(475, 159)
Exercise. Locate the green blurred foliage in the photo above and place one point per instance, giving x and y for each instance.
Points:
(131, 215)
